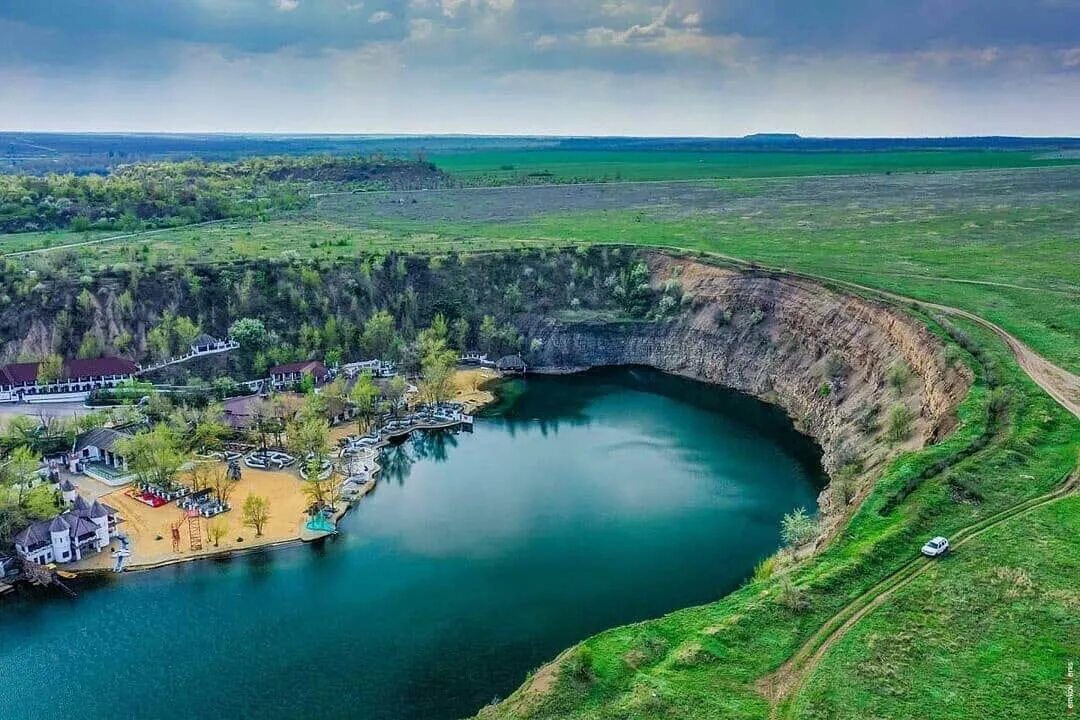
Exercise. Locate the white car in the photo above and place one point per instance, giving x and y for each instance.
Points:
(937, 546)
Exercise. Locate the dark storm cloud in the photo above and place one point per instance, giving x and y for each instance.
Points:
(631, 35)
(897, 26)
(601, 59)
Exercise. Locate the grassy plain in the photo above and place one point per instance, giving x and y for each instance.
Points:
(506, 166)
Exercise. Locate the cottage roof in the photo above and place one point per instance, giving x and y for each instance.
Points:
(73, 369)
(97, 510)
(66, 485)
(510, 362)
(58, 524)
(80, 526)
(310, 367)
(80, 506)
(103, 438)
(34, 534)
(204, 339)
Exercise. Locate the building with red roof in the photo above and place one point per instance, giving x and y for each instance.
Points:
(78, 377)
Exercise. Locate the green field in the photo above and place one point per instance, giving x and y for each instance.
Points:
(600, 165)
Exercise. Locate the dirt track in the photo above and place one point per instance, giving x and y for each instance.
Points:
(783, 686)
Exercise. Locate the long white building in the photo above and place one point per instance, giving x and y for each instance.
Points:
(19, 382)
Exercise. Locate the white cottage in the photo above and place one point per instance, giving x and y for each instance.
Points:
(71, 535)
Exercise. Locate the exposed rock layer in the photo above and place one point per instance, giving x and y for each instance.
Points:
(823, 356)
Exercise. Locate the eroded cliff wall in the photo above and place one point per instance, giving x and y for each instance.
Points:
(831, 360)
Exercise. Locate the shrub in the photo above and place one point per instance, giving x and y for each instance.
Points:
(580, 665)
(792, 597)
(798, 528)
(834, 366)
(898, 376)
(765, 568)
(898, 426)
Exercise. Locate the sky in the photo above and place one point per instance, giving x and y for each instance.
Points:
(554, 67)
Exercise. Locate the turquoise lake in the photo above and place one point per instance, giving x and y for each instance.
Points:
(591, 501)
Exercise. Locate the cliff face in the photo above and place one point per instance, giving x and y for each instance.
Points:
(829, 359)
(824, 357)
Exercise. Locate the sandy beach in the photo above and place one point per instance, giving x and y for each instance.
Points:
(149, 529)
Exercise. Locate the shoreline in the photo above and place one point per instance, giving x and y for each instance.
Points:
(468, 393)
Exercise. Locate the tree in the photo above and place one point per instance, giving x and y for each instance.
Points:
(437, 383)
(898, 376)
(50, 369)
(797, 528)
(632, 289)
(17, 473)
(216, 529)
(363, 396)
(460, 333)
(222, 482)
(379, 337)
(898, 425)
(154, 456)
(202, 474)
(489, 333)
(395, 393)
(256, 513)
(91, 346)
(210, 430)
(249, 332)
(309, 436)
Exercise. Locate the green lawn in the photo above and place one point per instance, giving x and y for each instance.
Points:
(584, 165)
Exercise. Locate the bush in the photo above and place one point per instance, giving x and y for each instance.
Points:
(580, 665)
(898, 376)
(898, 426)
(765, 568)
(793, 597)
(798, 528)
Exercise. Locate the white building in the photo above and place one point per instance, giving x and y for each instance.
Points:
(378, 368)
(19, 381)
(71, 535)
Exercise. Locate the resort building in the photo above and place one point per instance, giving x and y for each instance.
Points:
(240, 413)
(19, 381)
(206, 344)
(94, 453)
(292, 373)
(68, 537)
(512, 364)
(378, 368)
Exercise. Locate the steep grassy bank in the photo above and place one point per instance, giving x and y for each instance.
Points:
(716, 660)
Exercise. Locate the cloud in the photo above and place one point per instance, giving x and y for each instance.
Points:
(469, 50)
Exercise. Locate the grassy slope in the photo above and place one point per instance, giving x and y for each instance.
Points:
(577, 165)
(703, 662)
(984, 633)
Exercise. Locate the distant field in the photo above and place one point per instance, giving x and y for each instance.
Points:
(509, 166)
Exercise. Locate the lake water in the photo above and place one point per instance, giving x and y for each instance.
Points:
(593, 501)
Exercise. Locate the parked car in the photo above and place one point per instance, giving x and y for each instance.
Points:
(937, 546)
